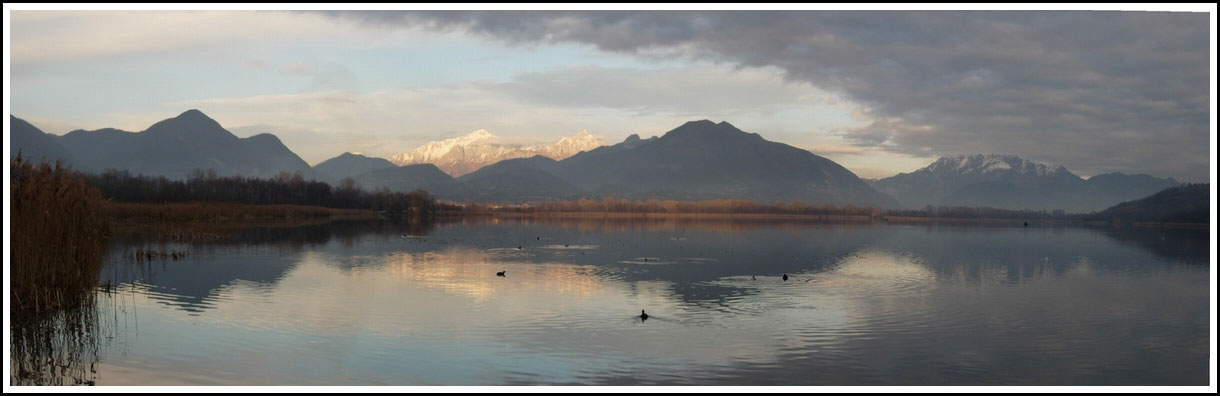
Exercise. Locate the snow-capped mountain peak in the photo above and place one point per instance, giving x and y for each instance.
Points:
(571, 145)
(990, 164)
(433, 151)
(465, 154)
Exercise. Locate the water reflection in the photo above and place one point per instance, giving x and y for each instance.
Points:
(360, 303)
(60, 348)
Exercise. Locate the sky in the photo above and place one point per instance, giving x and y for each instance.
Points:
(880, 92)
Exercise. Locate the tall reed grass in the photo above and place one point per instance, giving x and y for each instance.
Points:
(57, 237)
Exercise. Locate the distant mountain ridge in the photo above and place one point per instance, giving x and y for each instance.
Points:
(174, 147)
(699, 160)
(1188, 203)
(462, 155)
(35, 145)
(706, 160)
(519, 180)
(1012, 182)
(414, 177)
(349, 165)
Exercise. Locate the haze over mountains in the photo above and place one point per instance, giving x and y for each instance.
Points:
(697, 161)
(1011, 182)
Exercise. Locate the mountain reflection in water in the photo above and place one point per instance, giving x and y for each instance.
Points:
(867, 304)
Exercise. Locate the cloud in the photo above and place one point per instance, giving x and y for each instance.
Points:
(1097, 91)
(686, 91)
(74, 35)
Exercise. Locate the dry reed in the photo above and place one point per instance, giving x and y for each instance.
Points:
(57, 237)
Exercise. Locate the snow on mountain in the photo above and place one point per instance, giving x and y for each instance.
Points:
(990, 164)
(461, 155)
(1011, 182)
(571, 145)
(433, 151)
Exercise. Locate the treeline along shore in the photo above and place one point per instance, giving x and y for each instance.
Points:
(284, 189)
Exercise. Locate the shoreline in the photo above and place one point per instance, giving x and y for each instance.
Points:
(142, 217)
(658, 215)
(1091, 223)
(192, 221)
(836, 218)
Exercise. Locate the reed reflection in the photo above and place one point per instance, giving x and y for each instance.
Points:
(62, 347)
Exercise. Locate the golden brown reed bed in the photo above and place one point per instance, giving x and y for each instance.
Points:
(59, 224)
(57, 237)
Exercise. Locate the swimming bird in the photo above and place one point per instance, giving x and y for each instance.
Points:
(643, 315)
(501, 273)
(785, 276)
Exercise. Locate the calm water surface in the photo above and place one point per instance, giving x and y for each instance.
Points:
(380, 303)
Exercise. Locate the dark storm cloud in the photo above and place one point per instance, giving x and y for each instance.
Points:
(1095, 91)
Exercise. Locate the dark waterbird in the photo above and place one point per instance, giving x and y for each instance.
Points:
(501, 273)
(643, 315)
(785, 276)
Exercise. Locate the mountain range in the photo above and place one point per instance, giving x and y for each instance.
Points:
(461, 155)
(1012, 182)
(699, 160)
(706, 160)
(172, 148)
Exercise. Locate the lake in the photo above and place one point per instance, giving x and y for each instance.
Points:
(385, 303)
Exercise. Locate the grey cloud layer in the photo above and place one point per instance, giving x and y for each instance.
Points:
(690, 91)
(1096, 91)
